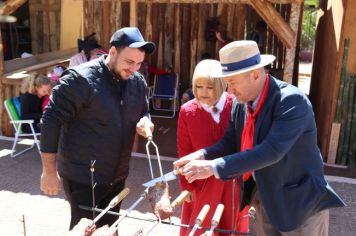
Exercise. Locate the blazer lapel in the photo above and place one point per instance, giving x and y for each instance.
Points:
(265, 110)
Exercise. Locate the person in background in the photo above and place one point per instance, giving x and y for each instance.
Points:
(187, 95)
(88, 49)
(221, 36)
(258, 35)
(91, 118)
(55, 75)
(203, 122)
(33, 90)
(272, 134)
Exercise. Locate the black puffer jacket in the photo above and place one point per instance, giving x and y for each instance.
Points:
(92, 115)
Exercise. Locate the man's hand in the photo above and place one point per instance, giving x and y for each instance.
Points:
(50, 180)
(145, 127)
(198, 155)
(197, 169)
(50, 183)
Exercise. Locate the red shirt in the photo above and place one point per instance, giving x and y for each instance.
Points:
(196, 130)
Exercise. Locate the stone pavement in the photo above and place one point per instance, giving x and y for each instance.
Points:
(24, 208)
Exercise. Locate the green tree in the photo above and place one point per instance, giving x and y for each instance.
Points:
(309, 24)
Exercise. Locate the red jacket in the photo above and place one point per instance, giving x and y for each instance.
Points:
(196, 130)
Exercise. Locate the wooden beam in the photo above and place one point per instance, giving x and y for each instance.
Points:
(133, 13)
(275, 21)
(148, 33)
(290, 52)
(177, 41)
(240, 18)
(8, 7)
(215, 1)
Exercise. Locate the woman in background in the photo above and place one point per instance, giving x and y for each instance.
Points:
(33, 90)
(201, 123)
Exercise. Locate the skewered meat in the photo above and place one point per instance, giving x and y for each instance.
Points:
(158, 197)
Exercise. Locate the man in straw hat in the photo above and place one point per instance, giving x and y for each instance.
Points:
(273, 135)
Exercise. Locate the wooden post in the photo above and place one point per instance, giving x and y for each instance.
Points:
(177, 37)
(106, 27)
(203, 15)
(290, 52)
(240, 18)
(193, 40)
(148, 33)
(334, 142)
(97, 21)
(133, 13)
(168, 30)
(116, 15)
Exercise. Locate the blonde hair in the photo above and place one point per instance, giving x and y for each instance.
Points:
(34, 81)
(204, 72)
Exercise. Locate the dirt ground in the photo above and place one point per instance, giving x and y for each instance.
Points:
(24, 209)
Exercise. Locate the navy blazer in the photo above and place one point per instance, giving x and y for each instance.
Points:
(286, 159)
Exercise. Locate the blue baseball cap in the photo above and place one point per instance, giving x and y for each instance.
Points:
(131, 37)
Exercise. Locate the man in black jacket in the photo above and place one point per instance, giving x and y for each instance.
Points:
(92, 116)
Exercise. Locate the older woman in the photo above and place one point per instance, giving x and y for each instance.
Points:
(202, 122)
(33, 90)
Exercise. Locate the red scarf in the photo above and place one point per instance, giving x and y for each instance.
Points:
(249, 129)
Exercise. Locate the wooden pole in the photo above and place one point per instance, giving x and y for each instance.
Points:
(341, 112)
(240, 17)
(148, 33)
(133, 13)
(290, 52)
(177, 39)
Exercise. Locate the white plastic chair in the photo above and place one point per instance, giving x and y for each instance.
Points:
(17, 123)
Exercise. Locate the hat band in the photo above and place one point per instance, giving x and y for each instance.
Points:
(254, 60)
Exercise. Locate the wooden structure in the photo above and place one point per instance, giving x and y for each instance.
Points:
(177, 27)
(336, 19)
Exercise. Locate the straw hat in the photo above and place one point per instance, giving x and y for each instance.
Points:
(241, 56)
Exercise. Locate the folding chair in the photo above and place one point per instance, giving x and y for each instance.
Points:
(13, 108)
(165, 87)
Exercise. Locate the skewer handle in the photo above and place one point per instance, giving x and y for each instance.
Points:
(202, 214)
(148, 132)
(180, 199)
(217, 215)
(119, 197)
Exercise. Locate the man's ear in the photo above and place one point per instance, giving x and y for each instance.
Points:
(112, 51)
(256, 74)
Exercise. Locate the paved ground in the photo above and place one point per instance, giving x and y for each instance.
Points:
(20, 198)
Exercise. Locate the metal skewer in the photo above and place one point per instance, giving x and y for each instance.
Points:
(202, 214)
(114, 226)
(116, 200)
(215, 221)
(93, 184)
(150, 141)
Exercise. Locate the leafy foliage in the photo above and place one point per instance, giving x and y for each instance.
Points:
(309, 24)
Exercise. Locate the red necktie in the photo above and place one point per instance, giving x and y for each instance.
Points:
(249, 129)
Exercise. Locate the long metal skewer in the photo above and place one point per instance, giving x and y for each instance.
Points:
(114, 226)
(150, 141)
(215, 220)
(92, 170)
(202, 214)
(116, 200)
